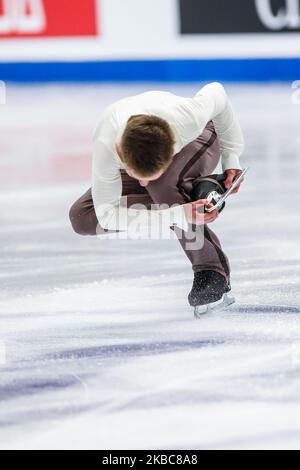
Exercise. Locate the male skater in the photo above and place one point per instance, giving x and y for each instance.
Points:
(153, 148)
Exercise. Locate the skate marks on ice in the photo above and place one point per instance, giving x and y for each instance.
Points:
(144, 368)
(264, 309)
(237, 309)
(101, 354)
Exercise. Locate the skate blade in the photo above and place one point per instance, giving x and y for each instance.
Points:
(222, 304)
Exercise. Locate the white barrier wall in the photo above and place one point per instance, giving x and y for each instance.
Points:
(130, 29)
(44, 31)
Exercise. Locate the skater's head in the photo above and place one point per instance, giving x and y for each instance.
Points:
(147, 147)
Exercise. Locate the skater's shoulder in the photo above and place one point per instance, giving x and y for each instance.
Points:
(150, 96)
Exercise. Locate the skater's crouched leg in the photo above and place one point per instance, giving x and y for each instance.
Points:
(83, 217)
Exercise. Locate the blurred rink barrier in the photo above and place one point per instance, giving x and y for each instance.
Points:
(142, 40)
(47, 124)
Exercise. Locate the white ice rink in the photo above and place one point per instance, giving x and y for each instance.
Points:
(102, 350)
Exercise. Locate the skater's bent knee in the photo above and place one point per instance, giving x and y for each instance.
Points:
(78, 222)
(75, 220)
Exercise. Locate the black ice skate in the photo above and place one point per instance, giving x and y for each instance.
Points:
(209, 293)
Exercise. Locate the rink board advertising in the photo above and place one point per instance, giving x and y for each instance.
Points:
(47, 18)
(236, 16)
(137, 40)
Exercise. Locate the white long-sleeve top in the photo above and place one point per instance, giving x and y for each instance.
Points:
(187, 118)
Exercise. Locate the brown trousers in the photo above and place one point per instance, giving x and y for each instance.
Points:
(197, 159)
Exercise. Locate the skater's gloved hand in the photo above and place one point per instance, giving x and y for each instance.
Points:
(231, 176)
(194, 212)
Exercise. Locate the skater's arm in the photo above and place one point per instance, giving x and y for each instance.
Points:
(106, 181)
(212, 103)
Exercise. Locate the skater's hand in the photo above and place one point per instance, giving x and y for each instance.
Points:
(231, 176)
(195, 212)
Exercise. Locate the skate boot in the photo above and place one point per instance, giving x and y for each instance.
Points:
(209, 293)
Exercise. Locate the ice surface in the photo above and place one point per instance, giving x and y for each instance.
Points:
(103, 353)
